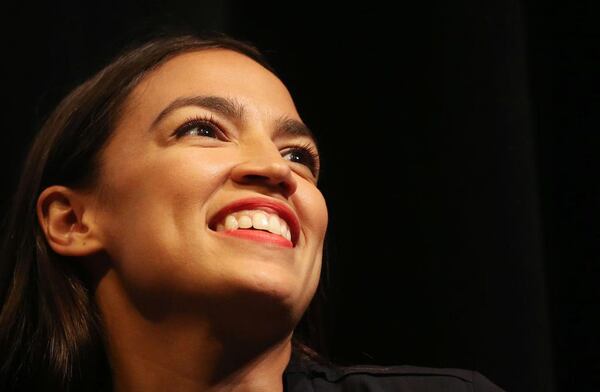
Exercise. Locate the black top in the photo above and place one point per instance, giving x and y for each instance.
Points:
(305, 375)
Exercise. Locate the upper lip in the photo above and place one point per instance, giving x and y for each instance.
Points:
(257, 203)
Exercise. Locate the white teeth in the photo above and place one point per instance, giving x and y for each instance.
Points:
(258, 219)
(283, 227)
(274, 225)
(245, 222)
(231, 223)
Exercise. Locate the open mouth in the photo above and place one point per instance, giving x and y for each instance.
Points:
(258, 218)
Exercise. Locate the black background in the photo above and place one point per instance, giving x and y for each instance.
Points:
(458, 143)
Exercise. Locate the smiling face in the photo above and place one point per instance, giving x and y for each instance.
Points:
(204, 130)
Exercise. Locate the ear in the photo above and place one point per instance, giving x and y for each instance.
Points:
(66, 216)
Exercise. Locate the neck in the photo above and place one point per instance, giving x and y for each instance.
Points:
(190, 353)
(209, 366)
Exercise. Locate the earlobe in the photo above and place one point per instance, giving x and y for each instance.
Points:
(63, 215)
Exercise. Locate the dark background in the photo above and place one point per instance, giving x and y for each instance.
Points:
(457, 140)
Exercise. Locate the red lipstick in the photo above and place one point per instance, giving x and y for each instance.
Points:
(267, 205)
(258, 235)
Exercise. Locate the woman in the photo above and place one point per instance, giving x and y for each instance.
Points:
(167, 234)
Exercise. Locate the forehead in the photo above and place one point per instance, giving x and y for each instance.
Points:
(217, 72)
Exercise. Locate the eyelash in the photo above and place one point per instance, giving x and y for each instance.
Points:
(311, 154)
(194, 122)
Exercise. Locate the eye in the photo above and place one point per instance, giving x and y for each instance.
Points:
(200, 126)
(304, 154)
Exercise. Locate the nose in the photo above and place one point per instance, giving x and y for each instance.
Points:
(269, 171)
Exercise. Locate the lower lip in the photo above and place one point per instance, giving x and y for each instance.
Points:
(260, 236)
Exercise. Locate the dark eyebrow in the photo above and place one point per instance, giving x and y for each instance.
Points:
(233, 110)
(229, 108)
(290, 127)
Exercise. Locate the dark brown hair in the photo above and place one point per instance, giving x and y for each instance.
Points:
(51, 333)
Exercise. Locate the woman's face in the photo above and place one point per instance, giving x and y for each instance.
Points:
(177, 159)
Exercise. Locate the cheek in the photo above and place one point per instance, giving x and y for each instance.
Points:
(177, 178)
(157, 204)
(312, 209)
(151, 226)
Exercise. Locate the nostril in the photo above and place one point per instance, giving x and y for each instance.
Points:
(255, 177)
(284, 186)
(276, 176)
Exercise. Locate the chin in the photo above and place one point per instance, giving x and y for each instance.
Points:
(264, 288)
(261, 302)
(274, 282)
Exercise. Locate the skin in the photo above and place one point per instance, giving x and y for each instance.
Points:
(184, 308)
